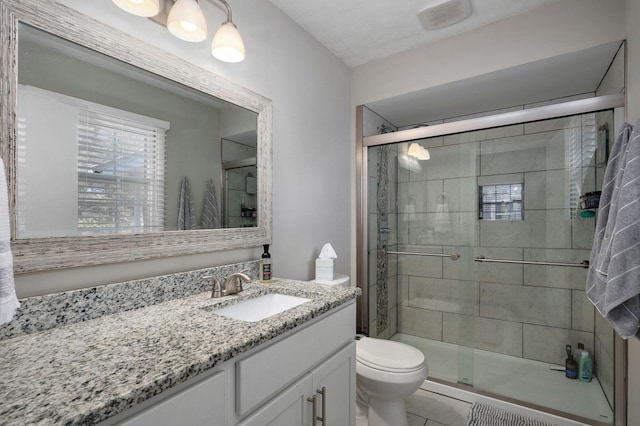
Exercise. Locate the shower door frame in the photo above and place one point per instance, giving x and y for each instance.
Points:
(582, 106)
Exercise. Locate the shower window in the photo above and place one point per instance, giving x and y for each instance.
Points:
(501, 202)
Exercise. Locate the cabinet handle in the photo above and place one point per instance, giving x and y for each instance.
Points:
(323, 392)
(314, 411)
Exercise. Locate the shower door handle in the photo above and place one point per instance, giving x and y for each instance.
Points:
(452, 256)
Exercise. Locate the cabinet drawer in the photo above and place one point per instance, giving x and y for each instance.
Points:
(270, 370)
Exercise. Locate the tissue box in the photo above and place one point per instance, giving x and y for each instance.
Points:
(325, 269)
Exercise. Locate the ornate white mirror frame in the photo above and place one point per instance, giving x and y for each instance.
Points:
(40, 254)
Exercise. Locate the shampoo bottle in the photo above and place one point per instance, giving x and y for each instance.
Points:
(571, 367)
(585, 371)
(265, 266)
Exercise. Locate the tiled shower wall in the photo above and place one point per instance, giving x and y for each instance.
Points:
(520, 310)
(382, 202)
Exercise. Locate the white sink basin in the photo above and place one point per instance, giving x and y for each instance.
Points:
(262, 307)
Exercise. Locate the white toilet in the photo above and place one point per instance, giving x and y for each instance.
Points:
(387, 372)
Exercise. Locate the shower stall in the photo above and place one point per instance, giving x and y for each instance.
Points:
(473, 237)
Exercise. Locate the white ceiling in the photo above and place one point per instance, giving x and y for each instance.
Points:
(360, 31)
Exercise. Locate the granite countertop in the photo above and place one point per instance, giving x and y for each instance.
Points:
(85, 372)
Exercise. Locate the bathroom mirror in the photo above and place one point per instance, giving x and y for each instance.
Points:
(194, 109)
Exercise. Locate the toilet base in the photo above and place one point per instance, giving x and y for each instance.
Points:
(387, 413)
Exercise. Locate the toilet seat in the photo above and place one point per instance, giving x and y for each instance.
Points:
(388, 356)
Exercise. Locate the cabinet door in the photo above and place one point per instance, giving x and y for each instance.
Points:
(289, 408)
(198, 405)
(262, 374)
(338, 377)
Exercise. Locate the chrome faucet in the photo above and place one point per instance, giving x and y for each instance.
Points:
(233, 283)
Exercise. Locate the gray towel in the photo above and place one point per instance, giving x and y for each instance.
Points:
(186, 212)
(251, 185)
(613, 280)
(210, 214)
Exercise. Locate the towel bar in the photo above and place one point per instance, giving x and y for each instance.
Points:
(452, 256)
(583, 264)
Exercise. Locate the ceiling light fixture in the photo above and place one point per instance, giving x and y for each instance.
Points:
(187, 22)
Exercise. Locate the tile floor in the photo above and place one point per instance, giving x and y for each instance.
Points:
(426, 408)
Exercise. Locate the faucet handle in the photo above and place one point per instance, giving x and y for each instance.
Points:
(242, 276)
(216, 286)
(236, 279)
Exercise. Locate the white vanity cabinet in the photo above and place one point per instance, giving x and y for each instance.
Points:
(273, 384)
(327, 394)
(282, 379)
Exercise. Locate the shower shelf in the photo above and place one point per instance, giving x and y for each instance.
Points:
(583, 264)
(452, 256)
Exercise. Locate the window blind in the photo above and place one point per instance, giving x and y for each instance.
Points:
(121, 169)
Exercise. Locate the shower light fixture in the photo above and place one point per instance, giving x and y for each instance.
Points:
(414, 149)
(187, 22)
(418, 151)
(424, 155)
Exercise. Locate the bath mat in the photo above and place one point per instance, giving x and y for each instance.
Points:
(486, 415)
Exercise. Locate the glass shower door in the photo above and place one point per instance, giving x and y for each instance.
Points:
(510, 194)
(240, 199)
(419, 222)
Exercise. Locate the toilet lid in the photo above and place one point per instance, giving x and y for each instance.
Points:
(388, 355)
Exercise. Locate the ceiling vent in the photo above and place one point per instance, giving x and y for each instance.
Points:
(442, 13)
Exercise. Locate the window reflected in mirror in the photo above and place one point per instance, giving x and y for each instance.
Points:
(104, 147)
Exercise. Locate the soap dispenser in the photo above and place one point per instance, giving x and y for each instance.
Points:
(265, 266)
(585, 369)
